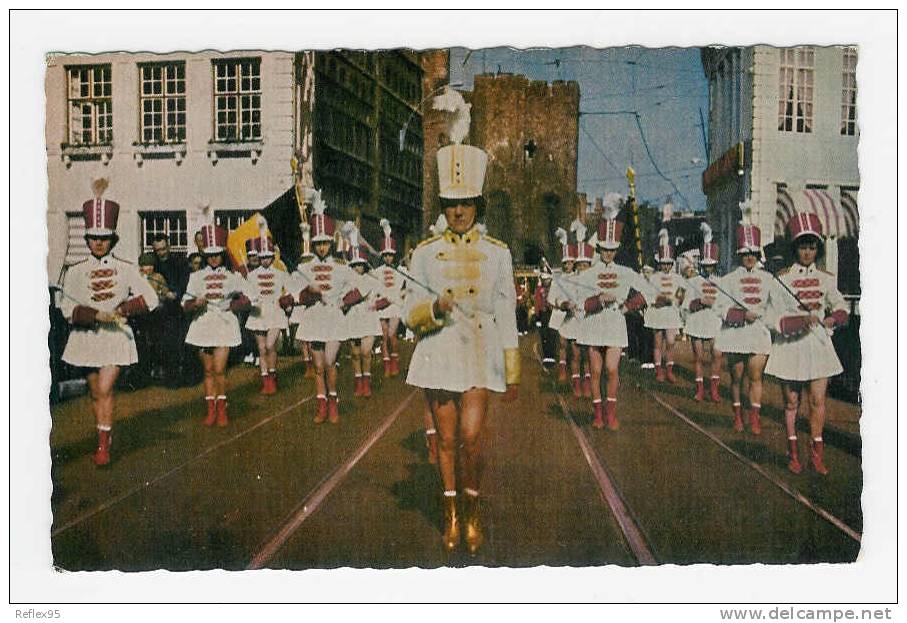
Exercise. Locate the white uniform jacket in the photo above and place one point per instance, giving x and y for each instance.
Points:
(563, 290)
(755, 290)
(476, 344)
(667, 285)
(392, 286)
(362, 318)
(323, 320)
(214, 325)
(800, 353)
(606, 325)
(266, 286)
(703, 322)
(103, 285)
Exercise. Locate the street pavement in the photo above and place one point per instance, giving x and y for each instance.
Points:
(674, 485)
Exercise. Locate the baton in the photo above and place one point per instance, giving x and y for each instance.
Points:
(801, 304)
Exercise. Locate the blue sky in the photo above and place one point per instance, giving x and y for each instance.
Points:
(666, 87)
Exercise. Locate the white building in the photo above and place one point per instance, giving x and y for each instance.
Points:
(172, 132)
(783, 137)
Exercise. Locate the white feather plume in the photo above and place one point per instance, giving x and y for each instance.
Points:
(440, 225)
(593, 241)
(746, 212)
(578, 228)
(611, 204)
(458, 117)
(318, 205)
(385, 227)
(561, 234)
(706, 233)
(664, 239)
(262, 226)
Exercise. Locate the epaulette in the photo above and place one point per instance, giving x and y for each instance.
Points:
(427, 241)
(495, 241)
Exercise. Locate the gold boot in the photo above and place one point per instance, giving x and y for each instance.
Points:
(474, 536)
(451, 524)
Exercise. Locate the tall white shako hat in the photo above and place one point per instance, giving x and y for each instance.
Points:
(388, 245)
(306, 240)
(214, 237)
(749, 237)
(262, 244)
(585, 252)
(610, 230)
(708, 254)
(664, 254)
(804, 224)
(461, 168)
(566, 248)
(322, 224)
(100, 214)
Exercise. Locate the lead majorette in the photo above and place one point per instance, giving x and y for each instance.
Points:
(363, 324)
(98, 295)
(702, 323)
(213, 297)
(392, 294)
(803, 357)
(607, 292)
(663, 316)
(269, 291)
(744, 338)
(326, 289)
(465, 315)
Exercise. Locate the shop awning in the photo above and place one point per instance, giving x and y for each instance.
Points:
(839, 220)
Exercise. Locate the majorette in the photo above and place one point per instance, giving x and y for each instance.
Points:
(663, 317)
(362, 318)
(391, 295)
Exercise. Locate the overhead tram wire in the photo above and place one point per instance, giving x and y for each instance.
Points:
(599, 149)
(645, 144)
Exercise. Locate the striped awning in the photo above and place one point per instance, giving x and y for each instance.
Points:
(839, 220)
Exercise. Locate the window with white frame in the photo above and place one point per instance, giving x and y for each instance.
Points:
(163, 102)
(231, 219)
(237, 99)
(795, 90)
(171, 224)
(849, 92)
(90, 104)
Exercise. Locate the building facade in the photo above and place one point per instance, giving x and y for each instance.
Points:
(234, 131)
(783, 138)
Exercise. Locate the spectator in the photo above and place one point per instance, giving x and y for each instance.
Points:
(196, 262)
(150, 327)
(175, 272)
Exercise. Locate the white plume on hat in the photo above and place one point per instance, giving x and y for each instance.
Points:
(611, 203)
(561, 234)
(664, 238)
(746, 213)
(451, 101)
(351, 233)
(706, 232)
(385, 227)
(440, 225)
(579, 229)
(594, 239)
(262, 226)
(318, 205)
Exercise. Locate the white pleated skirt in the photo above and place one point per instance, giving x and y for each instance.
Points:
(322, 323)
(703, 324)
(605, 328)
(362, 322)
(213, 328)
(804, 358)
(391, 311)
(662, 318)
(751, 339)
(268, 316)
(105, 345)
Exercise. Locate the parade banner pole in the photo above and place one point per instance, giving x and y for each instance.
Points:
(634, 212)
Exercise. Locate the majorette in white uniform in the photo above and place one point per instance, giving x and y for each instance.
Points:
(605, 325)
(563, 288)
(475, 345)
(754, 290)
(269, 291)
(215, 324)
(701, 320)
(362, 318)
(392, 285)
(801, 353)
(304, 258)
(669, 287)
(106, 284)
(323, 285)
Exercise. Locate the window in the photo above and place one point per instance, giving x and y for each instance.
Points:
(237, 99)
(163, 102)
(231, 219)
(89, 96)
(849, 92)
(171, 224)
(795, 90)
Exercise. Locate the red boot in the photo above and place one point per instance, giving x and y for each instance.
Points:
(587, 386)
(387, 368)
(273, 375)
(221, 411)
(102, 454)
(713, 383)
(270, 386)
(263, 384)
(817, 454)
(611, 414)
(755, 424)
(366, 385)
(431, 442)
(212, 411)
(669, 373)
(793, 464)
(358, 388)
(700, 391)
(599, 421)
(333, 409)
(395, 365)
(738, 418)
(562, 372)
(321, 409)
(659, 374)
(577, 388)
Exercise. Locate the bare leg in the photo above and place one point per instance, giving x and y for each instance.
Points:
(100, 386)
(271, 348)
(208, 368)
(656, 352)
(737, 365)
(612, 362)
(261, 339)
(698, 356)
(219, 367)
(473, 407)
(319, 361)
(356, 350)
(817, 391)
(755, 367)
(791, 394)
(444, 408)
(365, 350)
(392, 325)
(670, 336)
(595, 363)
(330, 356)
